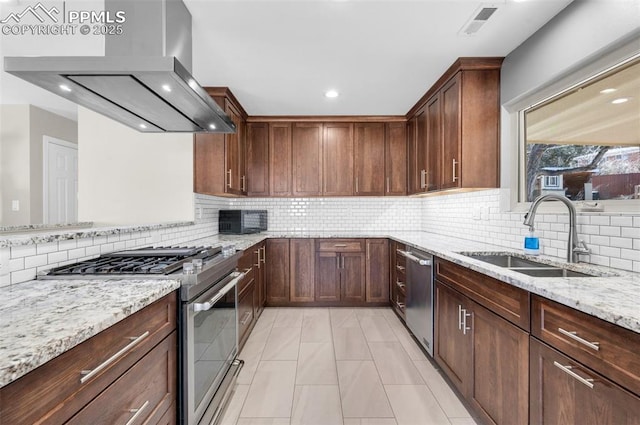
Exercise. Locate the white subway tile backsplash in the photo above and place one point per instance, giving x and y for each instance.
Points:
(600, 220)
(23, 251)
(74, 254)
(45, 248)
(23, 276)
(621, 242)
(67, 244)
(610, 230)
(35, 261)
(56, 257)
(622, 221)
(620, 264)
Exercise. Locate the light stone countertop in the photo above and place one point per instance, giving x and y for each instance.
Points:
(35, 236)
(42, 319)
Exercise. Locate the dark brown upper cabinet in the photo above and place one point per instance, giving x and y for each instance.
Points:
(306, 149)
(337, 159)
(257, 155)
(280, 159)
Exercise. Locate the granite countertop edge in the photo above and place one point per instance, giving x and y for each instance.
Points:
(56, 315)
(51, 235)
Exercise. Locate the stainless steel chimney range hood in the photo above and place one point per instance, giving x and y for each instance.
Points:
(136, 83)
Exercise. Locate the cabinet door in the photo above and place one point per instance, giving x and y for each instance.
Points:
(377, 270)
(260, 276)
(233, 152)
(337, 159)
(302, 277)
(451, 133)
(257, 155)
(395, 158)
(500, 368)
(421, 149)
(277, 264)
(280, 159)
(564, 391)
(352, 277)
(413, 173)
(434, 142)
(246, 312)
(452, 344)
(209, 176)
(306, 148)
(369, 155)
(327, 276)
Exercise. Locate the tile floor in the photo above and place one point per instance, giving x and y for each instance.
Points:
(338, 366)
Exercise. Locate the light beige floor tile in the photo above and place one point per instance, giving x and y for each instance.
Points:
(361, 391)
(289, 318)
(316, 364)
(271, 392)
(409, 344)
(260, 333)
(316, 328)
(415, 405)
(370, 421)
(343, 318)
(446, 397)
(394, 365)
(251, 354)
(234, 406)
(268, 315)
(316, 405)
(377, 329)
(264, 421)
(391, 316)
(350, 344)
(462, 421)
(368, 312)
(283, 344)
(315, 312)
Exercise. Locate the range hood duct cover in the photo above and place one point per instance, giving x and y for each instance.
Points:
(143, 81)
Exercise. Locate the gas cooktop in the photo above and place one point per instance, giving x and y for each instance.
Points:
(141, 261)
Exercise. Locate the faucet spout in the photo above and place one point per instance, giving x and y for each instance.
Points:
(574, 246)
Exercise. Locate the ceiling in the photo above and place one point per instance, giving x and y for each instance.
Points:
(279, 57)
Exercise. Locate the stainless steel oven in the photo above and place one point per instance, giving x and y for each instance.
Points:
(208, 322)
(209, 351)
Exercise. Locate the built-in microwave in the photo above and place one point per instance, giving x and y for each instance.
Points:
(239, 222)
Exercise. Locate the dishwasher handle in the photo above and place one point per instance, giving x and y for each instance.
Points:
(410, 256)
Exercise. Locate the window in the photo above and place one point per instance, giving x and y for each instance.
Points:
(585, 142)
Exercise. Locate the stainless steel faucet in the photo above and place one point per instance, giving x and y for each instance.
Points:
(575, 246)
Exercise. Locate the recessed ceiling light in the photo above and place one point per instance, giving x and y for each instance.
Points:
(331, 93)
(166, 87)
(620, 100)
(607, 91)
(64, 87)
(212, 126)
(143, 126)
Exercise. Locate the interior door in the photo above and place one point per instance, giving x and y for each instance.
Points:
(60, 181)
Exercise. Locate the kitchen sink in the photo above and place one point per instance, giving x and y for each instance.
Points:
(525, 265)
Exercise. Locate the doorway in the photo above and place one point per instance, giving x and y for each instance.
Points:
(60, 186)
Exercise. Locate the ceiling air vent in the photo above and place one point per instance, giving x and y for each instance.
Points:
(478, 19)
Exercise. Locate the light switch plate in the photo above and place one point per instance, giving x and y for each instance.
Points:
(15, 205)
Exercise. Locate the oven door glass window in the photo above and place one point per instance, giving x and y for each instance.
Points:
(214, 347)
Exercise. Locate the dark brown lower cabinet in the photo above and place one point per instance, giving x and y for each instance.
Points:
(377, 278)
(327, 276)
(246, 312)
(277, 266)
(302, 270)
(564, 391)
(485, 357)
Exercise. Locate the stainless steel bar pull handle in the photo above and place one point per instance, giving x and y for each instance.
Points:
(337, 261)
(400, 284)
(412, 257)
(243, 183)
(88, 374)
(340, 245)
(465, 328)
(257, 252)
(229, 178)
(388, 185)
(228, 287)
(357, 189)
(264, 254)
(574, 335)
(245, 318)
(567, 369)
(137, 412)
(459, 317)
(423, 179)
(453, 166)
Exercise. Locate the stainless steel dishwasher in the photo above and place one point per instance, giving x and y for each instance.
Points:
(419, 312)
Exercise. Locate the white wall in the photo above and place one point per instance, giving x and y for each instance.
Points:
(129, 177)
(14, 165)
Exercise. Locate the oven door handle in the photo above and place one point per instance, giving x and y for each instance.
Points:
(228, 287)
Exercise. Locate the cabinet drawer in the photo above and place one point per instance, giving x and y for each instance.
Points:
(400, 284)
(564, 391)
(603, 346)
(142, 395)
(503, 299)
(340, 245)
(54, 392)
(245, 312)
